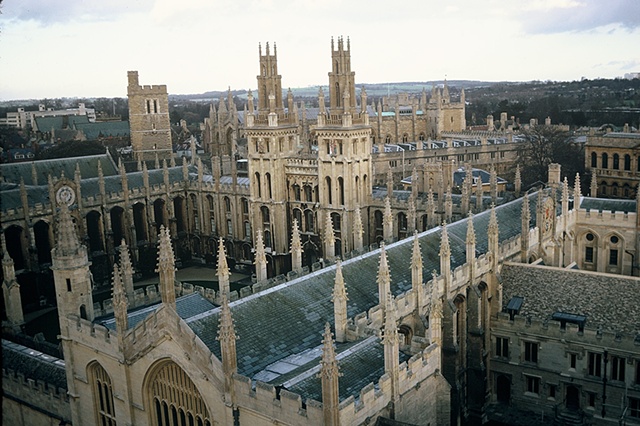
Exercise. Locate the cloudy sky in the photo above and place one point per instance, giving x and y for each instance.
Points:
(84, 48)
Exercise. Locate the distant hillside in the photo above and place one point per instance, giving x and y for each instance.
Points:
(373, 89)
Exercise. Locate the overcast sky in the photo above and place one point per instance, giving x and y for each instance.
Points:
(85, 48)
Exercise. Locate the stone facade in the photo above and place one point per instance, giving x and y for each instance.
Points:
(149, 120)
(613, 160)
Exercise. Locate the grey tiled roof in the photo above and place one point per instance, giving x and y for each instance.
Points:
(88, 168)
(289, 319)
(34, 364)
(358, 368)
(606, 204)
(610, 302)
(186, 307)
(12, 173)
(93, 131)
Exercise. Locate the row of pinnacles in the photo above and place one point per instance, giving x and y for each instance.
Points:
(131, 342)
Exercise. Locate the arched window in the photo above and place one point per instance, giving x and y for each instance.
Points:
(387, 139)
(605, 160)
(341, 190)
(308, 221)
(594, 159)
(268, 178)
(227, 204)
(402, 225)
(102, 395)
(296, 191)
(266, 218)
(258, 185)
(627, 162)
(171, 391)
(328, 190)
(336, 221)
(590, 244)
(297, 215)
(616, 161)
(308, 193)
(405, 138)
(267, 238)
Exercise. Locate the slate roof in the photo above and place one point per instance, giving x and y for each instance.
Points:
(34, 364)
(10, 190)
(93, 131)
(608, 204)
(45, 124)
(186, 307)
(289, 319)
(610, 302)
(44, 168)
(359, 368)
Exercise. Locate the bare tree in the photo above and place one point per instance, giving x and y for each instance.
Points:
(543, 145)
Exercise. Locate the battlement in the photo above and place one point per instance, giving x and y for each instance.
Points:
(285, 406)
(52, 401)
(550, 329)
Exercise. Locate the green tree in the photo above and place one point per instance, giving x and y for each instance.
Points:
(543, 145)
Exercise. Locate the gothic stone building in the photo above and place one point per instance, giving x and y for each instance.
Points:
(508, 322)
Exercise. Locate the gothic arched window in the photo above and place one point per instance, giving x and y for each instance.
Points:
(173, 394)
(102, 395)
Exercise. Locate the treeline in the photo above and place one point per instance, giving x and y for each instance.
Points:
(578, 103)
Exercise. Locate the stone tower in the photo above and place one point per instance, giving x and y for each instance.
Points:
(344, 152)
(70, 268)
(272, 138)
(149, 120)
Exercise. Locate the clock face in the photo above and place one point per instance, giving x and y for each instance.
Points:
(65, 195)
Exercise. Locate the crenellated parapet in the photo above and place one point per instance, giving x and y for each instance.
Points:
(550, 330)
(52, 401)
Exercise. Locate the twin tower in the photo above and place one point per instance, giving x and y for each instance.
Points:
(314, 173)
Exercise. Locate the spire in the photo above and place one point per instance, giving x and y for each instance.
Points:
(391, 343)
(185, 169)
(227, 338)
(411, 215)
(223, 271)
(67, 238)
(524, 234)
(261, 258)
(329, 237)
(358, 230)
(493, 184)
(436, 314)
(471, 240)
(479, 193)
(565, 198)
(166, 268)
(120, 303)
(11, 288)
(34, 173)
(296, 247)
(416, 272)
(577, 192)
(387, 230)
(593, 188)
(126, 270)
(389, 183)
(329, 376)
(518, 181)
(445, 256)
(431, 210)
(384, 277)
(448, 206)
(340, 305)
(493, 235)
(414, 183)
